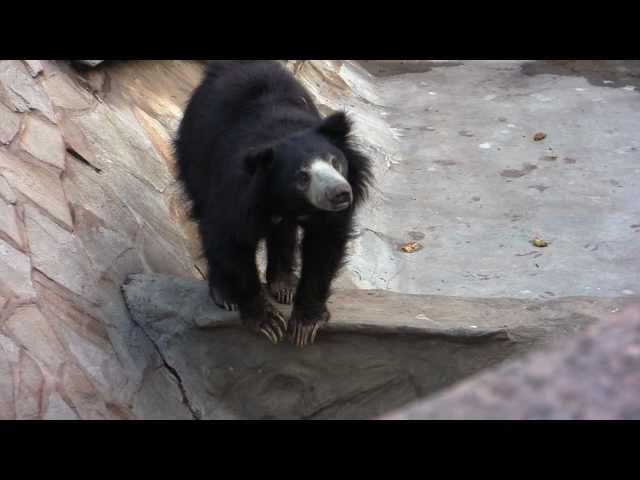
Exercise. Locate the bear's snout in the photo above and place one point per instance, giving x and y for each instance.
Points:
(339, 196)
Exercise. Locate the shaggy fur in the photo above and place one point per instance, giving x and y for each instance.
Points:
(247, 132)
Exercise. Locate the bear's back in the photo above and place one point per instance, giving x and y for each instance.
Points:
(238, 106)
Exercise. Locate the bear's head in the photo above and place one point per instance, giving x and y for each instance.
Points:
(307, 171)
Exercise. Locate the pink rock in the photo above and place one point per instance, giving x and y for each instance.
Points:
(88, 192)
(40, 184)
(122, 145)
(9, 124)
(15, 272)
(21, 91)
(31, 384)
(34, 66)
(43, 141)
(58, 409)
(9, 223)
(9, 350)
(76, 140)
(162, 256)
(7, 407)
(59, 254)
(65, 94)
(30, 329)
(6, 192)
(86, 400)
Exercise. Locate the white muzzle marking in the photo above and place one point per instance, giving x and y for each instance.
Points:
(324, 178)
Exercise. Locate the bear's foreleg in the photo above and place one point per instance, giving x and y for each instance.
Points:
(281, 250)
(323, 253)
(234, 283)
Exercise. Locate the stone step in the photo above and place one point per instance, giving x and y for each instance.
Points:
(381, 351)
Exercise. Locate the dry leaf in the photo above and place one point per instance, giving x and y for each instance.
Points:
(538, 242)
(539, 136)
(411, 247)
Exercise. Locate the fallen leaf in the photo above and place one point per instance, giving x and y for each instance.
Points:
(539, 136)
(538, 242)
(411, 247)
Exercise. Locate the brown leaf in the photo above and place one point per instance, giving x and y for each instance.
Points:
(539, 136)
(538, 242)
(411, 247)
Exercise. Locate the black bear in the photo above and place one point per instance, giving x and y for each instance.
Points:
(257, 160)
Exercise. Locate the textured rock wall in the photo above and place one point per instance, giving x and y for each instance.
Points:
(87, 196)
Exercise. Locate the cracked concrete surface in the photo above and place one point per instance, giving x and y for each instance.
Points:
(88, 197)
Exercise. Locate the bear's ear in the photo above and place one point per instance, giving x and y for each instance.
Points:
(336, 127)
(258, 159)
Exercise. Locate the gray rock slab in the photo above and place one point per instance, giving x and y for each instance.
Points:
(381, 350)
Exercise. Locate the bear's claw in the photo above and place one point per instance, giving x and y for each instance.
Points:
(304, 335)
(285, 296)
(303, 331)
(273, 326)
(269, 334)
(219, 300)
(284, 289)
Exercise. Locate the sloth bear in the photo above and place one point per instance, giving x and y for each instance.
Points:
(257, 160)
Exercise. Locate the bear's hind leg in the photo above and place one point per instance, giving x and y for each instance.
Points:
(281, 248)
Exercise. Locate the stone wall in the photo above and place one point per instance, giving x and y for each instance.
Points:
(87, 196)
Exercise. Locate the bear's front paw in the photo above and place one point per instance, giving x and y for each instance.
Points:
(283, 288)
(268, 321)
(304, 326)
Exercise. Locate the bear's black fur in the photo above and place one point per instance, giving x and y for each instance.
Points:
(245, 135)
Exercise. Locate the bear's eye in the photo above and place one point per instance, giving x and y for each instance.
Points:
(303, 178)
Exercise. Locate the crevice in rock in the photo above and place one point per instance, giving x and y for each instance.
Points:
(200, 271)
(183, 392)
(81, 159)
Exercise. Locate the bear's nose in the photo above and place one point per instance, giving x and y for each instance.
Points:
(340, 196)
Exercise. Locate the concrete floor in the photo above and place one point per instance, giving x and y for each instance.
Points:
(474, 188)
